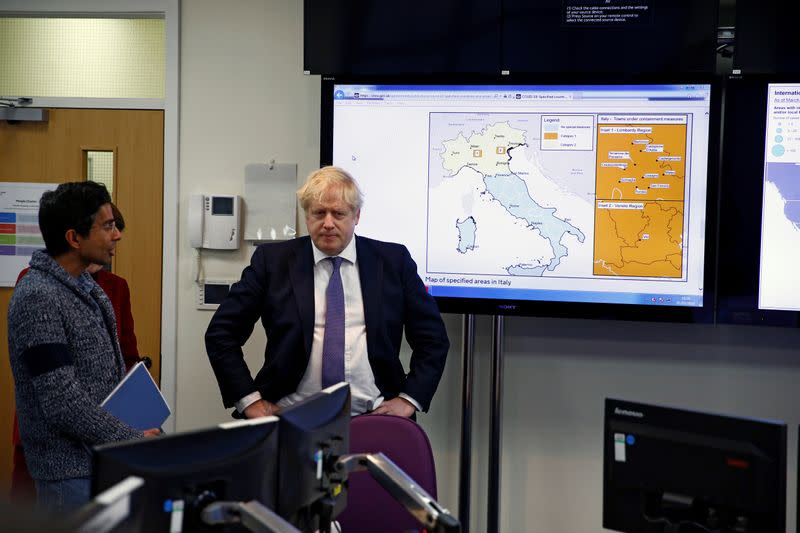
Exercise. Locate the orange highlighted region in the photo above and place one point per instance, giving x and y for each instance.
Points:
(641, 162)
(551, 135)
(640, 193)
(638, 239)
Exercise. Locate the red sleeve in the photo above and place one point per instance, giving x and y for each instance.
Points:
(116, 288)
(24, 271)
(22, 487)
(127, 338)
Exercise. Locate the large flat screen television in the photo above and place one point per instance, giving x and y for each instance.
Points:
(538, 197)
(760, 202)
(766, 36)
(602, 35)
(375, 37)
(675, 470)
(778, 288)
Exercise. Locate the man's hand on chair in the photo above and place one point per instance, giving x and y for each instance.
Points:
(397, 407)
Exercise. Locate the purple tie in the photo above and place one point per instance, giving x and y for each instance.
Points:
(333, 341)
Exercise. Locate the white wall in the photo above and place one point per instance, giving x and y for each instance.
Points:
(245, 100)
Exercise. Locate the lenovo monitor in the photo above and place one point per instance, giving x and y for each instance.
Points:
(680, 471)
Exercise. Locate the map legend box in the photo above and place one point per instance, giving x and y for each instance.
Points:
(567, 132)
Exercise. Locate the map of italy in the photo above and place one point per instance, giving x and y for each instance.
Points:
(569, 195)
(485, 158)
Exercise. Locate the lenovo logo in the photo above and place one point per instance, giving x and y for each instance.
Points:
(626, 412)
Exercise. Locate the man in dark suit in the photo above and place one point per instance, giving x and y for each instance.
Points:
(334, 308)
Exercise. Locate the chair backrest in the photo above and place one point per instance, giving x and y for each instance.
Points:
(369, 506)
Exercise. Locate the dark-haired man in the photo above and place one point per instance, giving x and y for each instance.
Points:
(64, 351)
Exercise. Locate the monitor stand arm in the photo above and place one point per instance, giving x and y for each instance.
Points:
(253, 515)
(405, 490)
(107, 510)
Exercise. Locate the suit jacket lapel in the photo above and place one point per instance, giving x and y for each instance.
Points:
(301, 274)
(370, 273)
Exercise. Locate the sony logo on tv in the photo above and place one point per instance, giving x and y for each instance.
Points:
(506, 306)
(627, 412)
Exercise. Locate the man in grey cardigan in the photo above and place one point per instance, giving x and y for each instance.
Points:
(63, 345)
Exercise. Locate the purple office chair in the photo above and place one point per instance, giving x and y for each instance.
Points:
(369, 507)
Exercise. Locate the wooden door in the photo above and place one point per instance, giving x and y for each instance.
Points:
(55, 152)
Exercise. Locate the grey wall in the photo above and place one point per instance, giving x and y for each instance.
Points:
(244, 100)
(557, 374)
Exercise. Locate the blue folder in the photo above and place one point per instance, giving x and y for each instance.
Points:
(137, 400)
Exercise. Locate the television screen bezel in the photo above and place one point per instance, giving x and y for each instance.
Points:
(656, 313)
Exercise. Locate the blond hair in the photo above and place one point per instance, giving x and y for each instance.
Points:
(328, 179)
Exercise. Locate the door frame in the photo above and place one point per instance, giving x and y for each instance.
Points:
(170, 11)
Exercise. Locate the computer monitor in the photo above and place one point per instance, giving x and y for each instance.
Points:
(766, 38)
(760, 202)
(185, 472)
(675, 470)
(313, 434)
(549, 196)
(780, 220)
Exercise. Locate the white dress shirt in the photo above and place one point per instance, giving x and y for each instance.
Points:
(364, 394)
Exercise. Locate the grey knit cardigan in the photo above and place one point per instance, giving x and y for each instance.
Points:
(66, 359)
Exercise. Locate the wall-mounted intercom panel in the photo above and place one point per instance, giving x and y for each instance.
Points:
(214, 221)
(211, 292)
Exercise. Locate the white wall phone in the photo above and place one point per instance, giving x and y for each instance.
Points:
(214, 221)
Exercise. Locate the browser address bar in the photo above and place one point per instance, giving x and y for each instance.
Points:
(462, 96)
